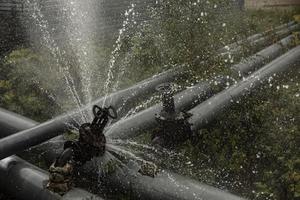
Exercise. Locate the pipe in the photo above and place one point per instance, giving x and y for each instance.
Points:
(145, 119)
(165, 186)
(263, 40)
(26, 182)
(55, 127)
(204, 113)
(255, 37)
(252, 63)
(16, 173)
(11, 123)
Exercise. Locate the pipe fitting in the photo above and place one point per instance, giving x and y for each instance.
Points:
(173, 126)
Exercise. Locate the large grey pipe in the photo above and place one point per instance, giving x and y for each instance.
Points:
(252, 63)
(165, 185)
(204, 113)
(26, 182)
(50, 129)
(11, 123)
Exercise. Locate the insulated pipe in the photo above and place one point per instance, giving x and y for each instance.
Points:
(204, 113)
(26, 182)
(255, 37)
(50, 129)
(145, 119)
(263, 40)
(252, 63)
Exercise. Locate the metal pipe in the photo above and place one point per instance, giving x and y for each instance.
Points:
(57, 126)
(255, 37)
(263, 40)
(166, 185)
(25, 181)
(145, 119)
(11, 123)
(204, 113)
(252, 63)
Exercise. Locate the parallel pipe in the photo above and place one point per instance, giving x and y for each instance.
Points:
(252, 63)
(263, 40)
(55, 127)
(211, 108)
(255, 37)
(145, 120)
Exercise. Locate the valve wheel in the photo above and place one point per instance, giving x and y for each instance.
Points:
(97, 110)
(111, 111)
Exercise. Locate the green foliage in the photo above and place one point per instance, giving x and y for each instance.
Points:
(18, 91)
(180, 32)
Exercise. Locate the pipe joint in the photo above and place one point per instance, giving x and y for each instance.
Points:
(173, 126)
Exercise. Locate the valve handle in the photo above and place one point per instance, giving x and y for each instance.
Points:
(97, 111)
(110, 111)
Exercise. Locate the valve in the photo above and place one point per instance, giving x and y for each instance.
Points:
(91, 143)
(173, 126)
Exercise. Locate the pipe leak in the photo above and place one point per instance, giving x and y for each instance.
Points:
(91, 143)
